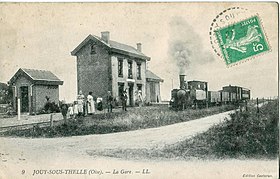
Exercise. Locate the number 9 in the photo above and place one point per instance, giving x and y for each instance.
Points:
(23, 172)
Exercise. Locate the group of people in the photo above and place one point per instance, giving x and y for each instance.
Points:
(87, 106)
(82, 106)
(138, 99)
(110, 101)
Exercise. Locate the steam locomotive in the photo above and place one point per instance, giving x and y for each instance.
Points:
(195, 94)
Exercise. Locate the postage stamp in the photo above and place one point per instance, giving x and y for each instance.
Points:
(242, 40)
(225, 18)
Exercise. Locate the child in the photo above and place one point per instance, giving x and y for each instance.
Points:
(99, 104)
(75, 109)
(71, 111)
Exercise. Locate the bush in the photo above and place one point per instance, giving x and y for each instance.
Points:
(244, 134)
(249, 133)
(134, 119)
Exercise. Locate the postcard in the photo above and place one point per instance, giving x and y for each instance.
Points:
(139, 90)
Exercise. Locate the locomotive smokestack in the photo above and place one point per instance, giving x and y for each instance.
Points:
(182, 81)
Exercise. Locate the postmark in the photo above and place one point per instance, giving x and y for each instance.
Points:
(242, 40)
(222, 19)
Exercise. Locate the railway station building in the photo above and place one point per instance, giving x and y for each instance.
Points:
(33, 87)
(105, 65)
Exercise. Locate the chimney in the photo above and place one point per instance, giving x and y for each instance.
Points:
(182, 81)
(105, 36)
(139, 47)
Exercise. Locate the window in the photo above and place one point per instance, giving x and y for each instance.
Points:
(139, 87)
(138, 71)
(93, 48)
(120, 67)
(202, 86)
(130, 70)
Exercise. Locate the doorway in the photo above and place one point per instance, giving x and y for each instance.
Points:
(130, 94)
(24, 99)
(121, 89)
(153, 92)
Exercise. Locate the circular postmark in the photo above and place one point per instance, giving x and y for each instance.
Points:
(224, 18)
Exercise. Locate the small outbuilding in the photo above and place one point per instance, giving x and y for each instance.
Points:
(34, 88)
(152, 87)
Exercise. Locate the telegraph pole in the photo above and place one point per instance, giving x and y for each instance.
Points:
(258, 110)
(18, 108)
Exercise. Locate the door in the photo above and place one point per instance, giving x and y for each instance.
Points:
(130, 94)
(24, 99)
(153, 92)
(121, 89)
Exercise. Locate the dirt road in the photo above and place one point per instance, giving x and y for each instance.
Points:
(18, 154)
(145, 138)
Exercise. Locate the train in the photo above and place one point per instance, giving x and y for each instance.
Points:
(195, 94)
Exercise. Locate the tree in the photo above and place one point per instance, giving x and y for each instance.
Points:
(6, 93)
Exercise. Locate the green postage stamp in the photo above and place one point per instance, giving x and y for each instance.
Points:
(242, 40)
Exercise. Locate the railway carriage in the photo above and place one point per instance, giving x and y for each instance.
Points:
(237, 94)
(224, 97)
(245, 94)
(214, 98)
(233, 97)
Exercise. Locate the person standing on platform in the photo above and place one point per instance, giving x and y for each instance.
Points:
(75, 107)
(80, 100)
(140, 98)
(90, 104)
(124, 100)
(71, 111)
(64, 110)
(99, 104)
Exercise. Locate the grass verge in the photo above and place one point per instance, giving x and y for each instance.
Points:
(134, 119)
(243, 135)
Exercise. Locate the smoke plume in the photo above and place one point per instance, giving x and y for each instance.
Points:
(185, 46)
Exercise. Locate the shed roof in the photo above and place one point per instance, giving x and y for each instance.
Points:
(38, 76)
(152, 76)
(114, 46)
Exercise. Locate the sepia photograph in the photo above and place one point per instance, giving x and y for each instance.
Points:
(139, 90)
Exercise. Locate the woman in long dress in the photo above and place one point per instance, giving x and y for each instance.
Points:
(140, 98)
(80, 101)
(90, 104)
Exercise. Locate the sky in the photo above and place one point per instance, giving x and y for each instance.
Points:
(42, 35)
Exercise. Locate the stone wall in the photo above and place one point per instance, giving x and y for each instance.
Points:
(93, 70)
(39, 95)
